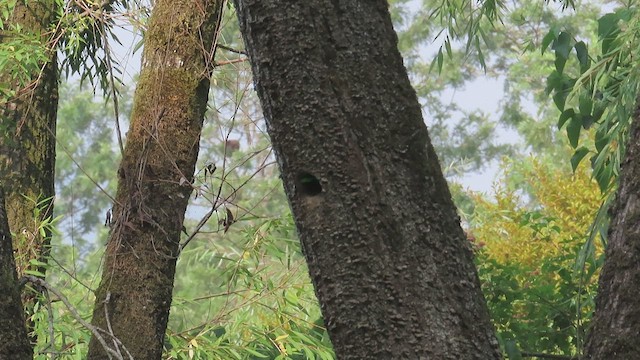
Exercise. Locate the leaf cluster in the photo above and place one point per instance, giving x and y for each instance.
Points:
(526, 256)
(22, 53)
(84, 29)
(598, 92)
(267, 309)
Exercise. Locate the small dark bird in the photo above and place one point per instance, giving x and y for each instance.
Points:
(107, 221)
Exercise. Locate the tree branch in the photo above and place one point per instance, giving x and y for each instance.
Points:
(94, 330)
(547, 356)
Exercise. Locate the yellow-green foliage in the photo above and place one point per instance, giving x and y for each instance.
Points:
(556, 219)
(527, 246)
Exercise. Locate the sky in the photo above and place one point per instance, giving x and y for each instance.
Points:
(483, 94)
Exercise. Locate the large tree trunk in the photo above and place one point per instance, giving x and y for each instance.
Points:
(154, 178)
(391, 267)
(14, 343)
(27, 143)
(615, 328)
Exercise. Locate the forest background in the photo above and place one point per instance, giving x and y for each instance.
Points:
(242, 288)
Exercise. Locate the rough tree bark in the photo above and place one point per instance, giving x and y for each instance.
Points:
(154, 178)
(391, 266)
(27, 141)
(14, 343)
(615, 328)
(27, 144)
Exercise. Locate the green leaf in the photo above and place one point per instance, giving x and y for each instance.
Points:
(34, 273)
(566, 115)
(578, 156)
(601, 139)
(573, 131)
(555, 81)
(511, 348)
(560, 98)
(36, 262)
(291, 297)
(608, 29)
(587, 121)
(603, 177)
(607, 24)
(548, 39)
(138, 45)
(308, 353)
(562, 46)
(437, 60)
(255, 353)
(559, 62)
(235, 353)
(598, 110)
(583, 56)
(483, 64)
(585, 104)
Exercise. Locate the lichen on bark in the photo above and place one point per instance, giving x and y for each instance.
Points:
(27, 140)
(154, 177)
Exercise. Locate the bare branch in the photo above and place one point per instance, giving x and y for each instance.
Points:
(74, 312)
(547, 356)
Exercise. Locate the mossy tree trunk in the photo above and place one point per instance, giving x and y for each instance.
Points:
(14, 343)
(154, 178)
(615, 328)
(392, 269)
(27, 142)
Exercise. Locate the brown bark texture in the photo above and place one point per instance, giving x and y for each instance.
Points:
(14, 343)
(615, 328)
(154, 178)
(27, 142)
(392, 269)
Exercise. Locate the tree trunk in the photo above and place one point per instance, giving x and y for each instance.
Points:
(615, 328)
(14, 343)
(392, 269)
(154, 178)
(27, 144)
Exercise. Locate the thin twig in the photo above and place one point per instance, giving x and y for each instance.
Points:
(66, 151)
(74, 312)
(114, 94)
(224, 47)
(52, 344)
(232, 61)
(106, 316)
(547, 356)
